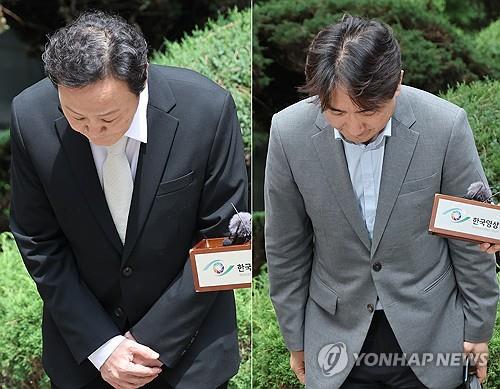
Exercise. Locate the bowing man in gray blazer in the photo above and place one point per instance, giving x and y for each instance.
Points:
(350, 179)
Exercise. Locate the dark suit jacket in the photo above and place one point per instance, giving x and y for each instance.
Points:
(92, 287)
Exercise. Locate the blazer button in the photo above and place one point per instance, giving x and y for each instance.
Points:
(127, 271)
(377, 266)
(370, 307)
(118, 311)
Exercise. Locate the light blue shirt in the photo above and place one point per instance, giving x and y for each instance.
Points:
(365, 169)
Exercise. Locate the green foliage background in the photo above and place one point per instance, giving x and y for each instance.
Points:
(481, 102)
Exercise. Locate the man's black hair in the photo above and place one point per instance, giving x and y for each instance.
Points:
(362, 56)
(94, 46)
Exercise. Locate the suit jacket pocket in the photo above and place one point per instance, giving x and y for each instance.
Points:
(419, 184)
(175, 184)
(322, 295)
(439, 280)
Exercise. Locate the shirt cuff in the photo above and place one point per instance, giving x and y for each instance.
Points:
(99, 356)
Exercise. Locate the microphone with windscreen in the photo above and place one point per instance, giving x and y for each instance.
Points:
(479, 191)
(240, 228)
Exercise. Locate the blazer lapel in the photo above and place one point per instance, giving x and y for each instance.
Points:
(399, 149)
(153, 156)
(331, 154)
(79, 154)
(150, 167)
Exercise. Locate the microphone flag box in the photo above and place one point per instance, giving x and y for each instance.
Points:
(471, 220)
(219, 267)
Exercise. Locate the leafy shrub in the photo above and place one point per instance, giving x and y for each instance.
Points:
(20, 321)
(435, 53)
(271, 366)
(488, 45)
(480, 100)
(244, 314)
(493, 381)
(258, 254)
(4, 178)
(471, 15)
(221, 51)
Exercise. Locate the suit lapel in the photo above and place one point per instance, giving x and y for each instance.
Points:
(153, 157)
(399, 149)
(79, 154)
(332, 157)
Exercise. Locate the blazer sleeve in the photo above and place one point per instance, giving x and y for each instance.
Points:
(288, 241)
(225, 183)
(474, 270)
(80, 318)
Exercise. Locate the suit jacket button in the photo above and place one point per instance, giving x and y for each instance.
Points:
(377, 266)
(127, 271)
(370, 307)
(118, 311)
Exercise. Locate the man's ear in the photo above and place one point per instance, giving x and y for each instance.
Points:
(398, 89)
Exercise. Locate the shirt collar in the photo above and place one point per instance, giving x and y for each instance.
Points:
(387, 132)
(139, 126)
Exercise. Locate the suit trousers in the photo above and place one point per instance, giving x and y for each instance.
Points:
(381, 339)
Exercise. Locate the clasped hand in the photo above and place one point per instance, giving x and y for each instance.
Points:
(131, 365)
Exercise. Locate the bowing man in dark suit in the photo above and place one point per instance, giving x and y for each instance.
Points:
(117, 170)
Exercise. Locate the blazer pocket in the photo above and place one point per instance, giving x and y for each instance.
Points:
(438, 280)
(419, 184)
(175, 184)
(322, 295)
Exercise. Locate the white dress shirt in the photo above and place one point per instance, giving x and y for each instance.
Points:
(137, 134)
(365, 169)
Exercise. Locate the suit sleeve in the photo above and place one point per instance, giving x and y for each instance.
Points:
(474, 270)
(80, 318)
(288, 239)
(225, 183)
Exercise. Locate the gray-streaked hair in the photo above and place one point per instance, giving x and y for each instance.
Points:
(94, 46)
(360, 55)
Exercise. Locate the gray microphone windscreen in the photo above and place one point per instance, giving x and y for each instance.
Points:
(478, 191)
(241, 225)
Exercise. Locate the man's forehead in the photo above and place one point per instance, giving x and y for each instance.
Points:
(100, 100)
(343, 101)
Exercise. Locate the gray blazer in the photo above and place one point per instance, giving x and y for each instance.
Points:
(436, 292)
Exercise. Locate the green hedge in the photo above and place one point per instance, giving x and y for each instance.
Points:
(271, 367)
(435, 53)
(244, 315)
(480, 100)
(4, 178)
(471, 15)
(487, 43)
(20, 321)
(221, 51)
